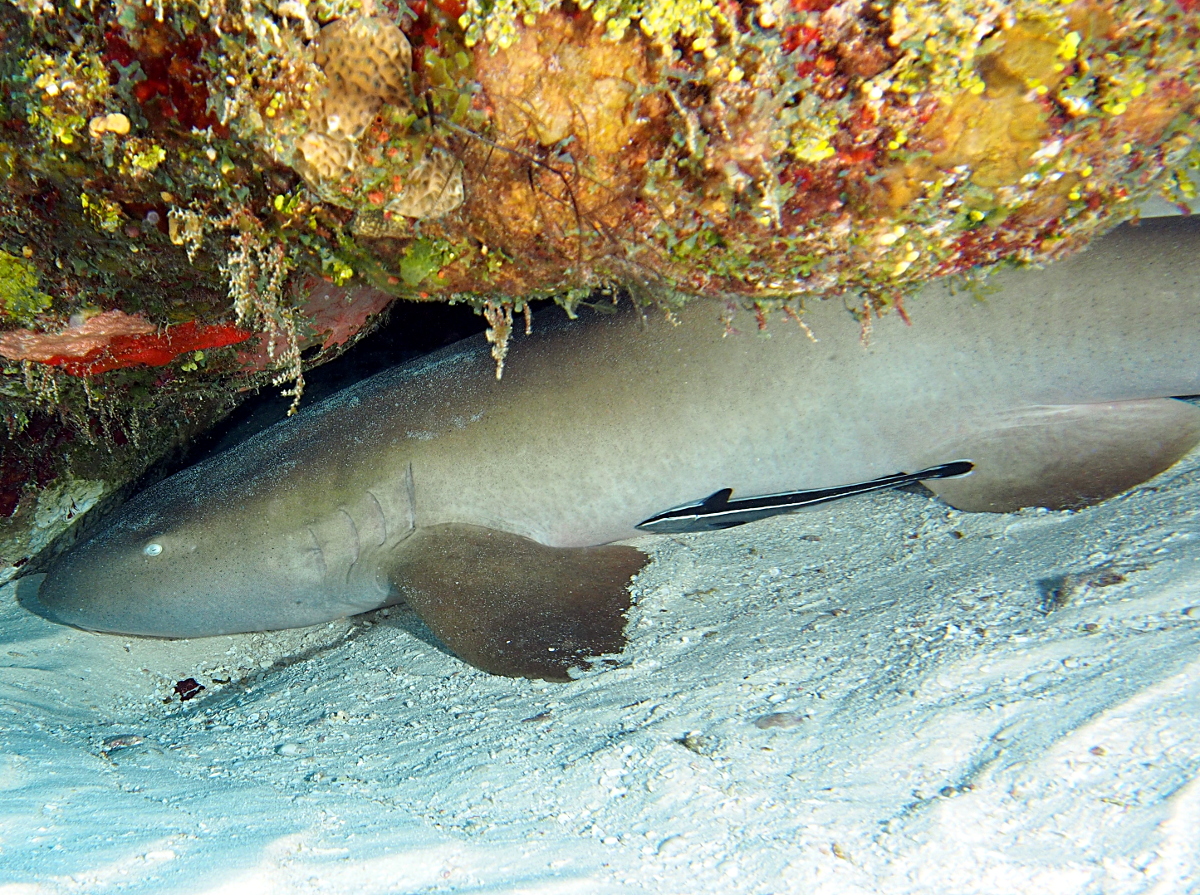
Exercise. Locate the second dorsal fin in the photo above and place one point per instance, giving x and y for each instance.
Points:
(1067, 456)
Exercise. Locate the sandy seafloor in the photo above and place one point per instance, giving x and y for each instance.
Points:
(878, 695)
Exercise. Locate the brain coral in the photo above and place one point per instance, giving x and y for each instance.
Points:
(367, 64)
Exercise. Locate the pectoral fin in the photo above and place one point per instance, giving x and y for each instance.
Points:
(511, 606)
(1068, 456)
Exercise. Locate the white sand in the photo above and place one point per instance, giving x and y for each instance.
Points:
(943, 724)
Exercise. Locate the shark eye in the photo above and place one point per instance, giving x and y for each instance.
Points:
(152, 549)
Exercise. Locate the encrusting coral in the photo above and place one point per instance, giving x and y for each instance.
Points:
(197, 165)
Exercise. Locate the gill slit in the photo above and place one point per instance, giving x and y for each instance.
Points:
(382, 516)
(320, 552)
(410, 486)
(357, 545)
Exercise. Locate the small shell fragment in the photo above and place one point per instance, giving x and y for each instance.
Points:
(124, 741)
(782, 720)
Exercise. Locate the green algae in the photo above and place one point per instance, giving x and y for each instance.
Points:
(20, 298)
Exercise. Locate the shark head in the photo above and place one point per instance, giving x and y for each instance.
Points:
(178, 562)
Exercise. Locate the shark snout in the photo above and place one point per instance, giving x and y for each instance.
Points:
(60, 596)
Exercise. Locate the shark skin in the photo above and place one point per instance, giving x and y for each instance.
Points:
(491, 507)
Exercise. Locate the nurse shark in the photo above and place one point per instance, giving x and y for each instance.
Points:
(492, 506)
